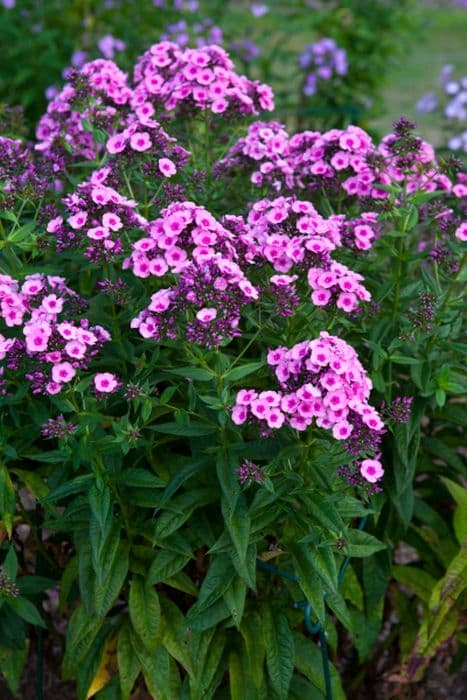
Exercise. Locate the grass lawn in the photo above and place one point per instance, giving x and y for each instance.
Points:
(441, 39)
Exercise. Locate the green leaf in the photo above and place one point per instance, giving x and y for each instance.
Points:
(145, 612)
(128, 663)
(194, 429)
(208, 649)
(81, 483)
(308, 580)
(351, 589)
(12, 663)
(308, 661)
(10, 563)
(279, 650)
(323, 512)
(459, 494)
(33, 481)
(405, 360)
(176, 637)
(234, 598)
(419, 581)
(179, 478)
(438, 448)
(253, 636)
(239, 679)
(161, 675)
(139, 478)
(100, 503)
(197, 373)
(228, 479)
(243, 371)
(361, 544)
(219, 577)
(7, 500)
(81, 632)
(237, 523)
(27, 610)
(106, 593)
(166, 563)
(32, 585)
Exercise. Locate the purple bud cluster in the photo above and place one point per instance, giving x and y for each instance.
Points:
(399, 410)
(58, 428)
(21, 175)
(248, 472)
(8, 588)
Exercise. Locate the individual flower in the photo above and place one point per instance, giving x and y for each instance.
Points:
(371, 470)
(106, 382)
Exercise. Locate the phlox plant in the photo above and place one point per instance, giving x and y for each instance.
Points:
(217, 343)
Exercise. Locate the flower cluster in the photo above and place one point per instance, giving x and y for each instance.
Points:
(323, 61)
(290, 235)
(262, 153)
(20, 175)
(54, 346)
(143, 142)
(335, 160)
(405, 157)
(171, 77)
(204, 268)
(308, 159)
(95, 94)
(96, 216)
(321, 380)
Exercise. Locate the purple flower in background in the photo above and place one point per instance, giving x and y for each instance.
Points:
(8, 4)
(455, 103)
(51, 92)
(206, 33)
(427, 103)
(109, 45)
(325, 60)
(259, 9)
(245, 49)
(78, 58)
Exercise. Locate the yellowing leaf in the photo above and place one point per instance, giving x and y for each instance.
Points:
(106, 669)
(270, 554)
